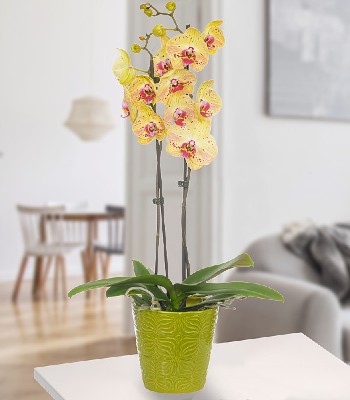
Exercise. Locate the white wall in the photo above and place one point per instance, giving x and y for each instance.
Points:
(46, 49)
(275, 170)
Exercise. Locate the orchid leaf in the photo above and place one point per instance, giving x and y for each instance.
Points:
(96, 284)
(205, 274)
(211, 301)
(140, 269)
(121, 289)
(141, 301)
(150, 281)
(245, 289)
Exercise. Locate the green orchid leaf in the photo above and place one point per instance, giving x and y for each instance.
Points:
(140, 296)
(157, 280)
(121, 288)
(96, 284)
(205, 274)
(210, 301)
(140, 269)
(245, 289)
(151, 281)
(141, 301)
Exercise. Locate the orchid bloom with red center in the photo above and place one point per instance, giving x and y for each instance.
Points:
(129, 108)
(208, 102)
(162, 62)
(180, 108)
(213, 36)
(123, 69)
(143, 90)
(175, 81)
(193, 142)
(188, 49)
(148, 125)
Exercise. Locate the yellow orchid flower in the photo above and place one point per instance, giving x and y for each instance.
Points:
(213, 36)
(192, 142)
(129, 108)
(162, 62)
(148, 125)
(123, 69)
(142, 90)
(175, 81)
(208, 102)
(188, 49)
(180, 109)
(164, 40)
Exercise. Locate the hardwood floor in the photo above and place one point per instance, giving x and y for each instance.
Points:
(48, 332)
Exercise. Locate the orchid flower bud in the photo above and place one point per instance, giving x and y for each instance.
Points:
(159, 30)
(135, 48)
(171, 6)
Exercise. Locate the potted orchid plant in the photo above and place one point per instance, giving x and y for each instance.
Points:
(175, 322)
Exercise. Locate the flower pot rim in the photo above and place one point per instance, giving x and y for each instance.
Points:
(179, 312)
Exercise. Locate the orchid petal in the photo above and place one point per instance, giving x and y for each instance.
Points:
(142, 90)
(213, 36)
(122, 68)
(180, 108)
(175, 81)
(127, 76)
(193, 142)
(129, 108)
(188, 49)
(208, 102)
(148, 125)
(162, 62)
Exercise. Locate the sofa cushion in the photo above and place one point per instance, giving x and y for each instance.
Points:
(271, 255)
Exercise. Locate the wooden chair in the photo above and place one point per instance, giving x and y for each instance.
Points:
(47, 238)
(116, 238)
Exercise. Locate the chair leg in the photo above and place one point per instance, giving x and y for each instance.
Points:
(45, 274)
(57, 266)
(86, 270)
(94, 267)
(84, 264)
(64, 277)
(22, 269)
(100, 258)
(106, 266)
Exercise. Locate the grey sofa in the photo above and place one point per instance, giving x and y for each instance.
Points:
(309, 307)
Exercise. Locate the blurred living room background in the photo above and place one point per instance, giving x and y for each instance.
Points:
(282, 171)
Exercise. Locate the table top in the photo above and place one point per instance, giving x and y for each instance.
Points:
(83, 216)
(287, 367)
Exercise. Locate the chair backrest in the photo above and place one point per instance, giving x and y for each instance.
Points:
(35, 229)
(116, 228)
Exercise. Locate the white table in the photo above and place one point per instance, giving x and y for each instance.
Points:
(289, 367)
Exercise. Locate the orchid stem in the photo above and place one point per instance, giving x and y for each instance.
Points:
(160, 183)
(176, 24)
(156, 266)
(186, 268)
(145, 47)
(159, 197)
(171, 15)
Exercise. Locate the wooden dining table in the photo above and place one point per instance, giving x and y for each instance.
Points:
(88, 255)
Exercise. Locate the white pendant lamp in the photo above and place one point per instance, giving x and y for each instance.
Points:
(90, 118)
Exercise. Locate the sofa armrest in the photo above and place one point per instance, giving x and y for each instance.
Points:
(308, 308)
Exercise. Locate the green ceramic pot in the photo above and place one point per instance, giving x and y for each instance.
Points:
(174, 348)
